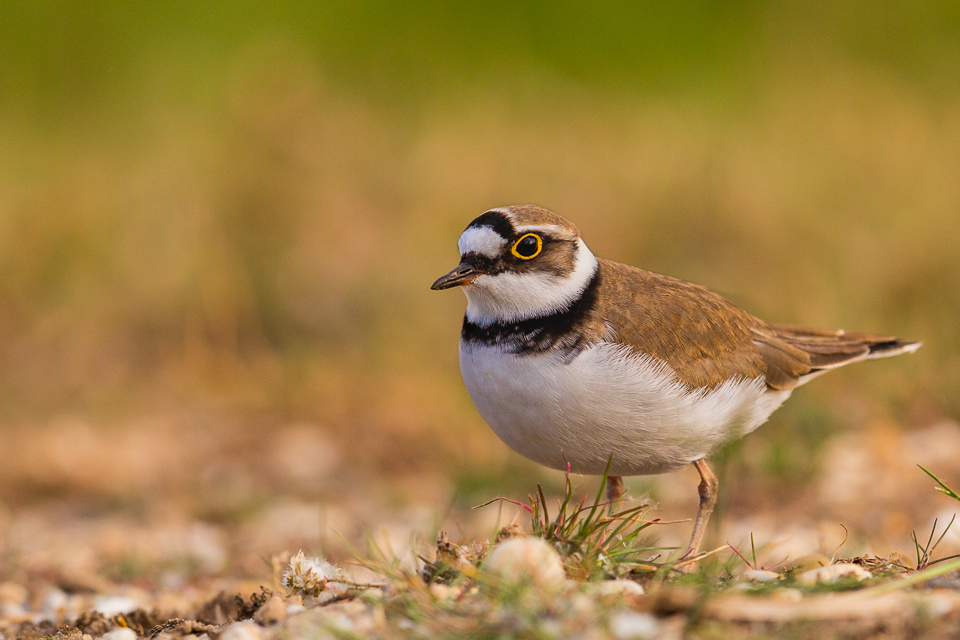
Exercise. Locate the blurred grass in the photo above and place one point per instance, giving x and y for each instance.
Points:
(235, 215)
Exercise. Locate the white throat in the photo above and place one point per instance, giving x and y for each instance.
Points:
(508, 297)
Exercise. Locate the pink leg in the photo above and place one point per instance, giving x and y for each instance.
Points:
(709, 487)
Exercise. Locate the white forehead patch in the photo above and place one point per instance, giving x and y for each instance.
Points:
(483, 240)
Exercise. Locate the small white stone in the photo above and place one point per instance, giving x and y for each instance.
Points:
(245, 630)
(527, 560)
(759, 575)
(111, 606)
(631, 625)
(617, 588)
(294, 609)
(120, 634)
(56, 600)
(833, 572)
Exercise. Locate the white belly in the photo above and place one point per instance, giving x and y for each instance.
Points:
(607, 402)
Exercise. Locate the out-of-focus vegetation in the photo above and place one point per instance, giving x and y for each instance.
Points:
(217, 221)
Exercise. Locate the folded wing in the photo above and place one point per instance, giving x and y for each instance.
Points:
(794, 354)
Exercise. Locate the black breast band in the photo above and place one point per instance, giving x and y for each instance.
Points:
(558, 330)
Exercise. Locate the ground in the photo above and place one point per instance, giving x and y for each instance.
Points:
(179, 564)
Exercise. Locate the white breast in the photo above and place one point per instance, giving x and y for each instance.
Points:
(608, 401)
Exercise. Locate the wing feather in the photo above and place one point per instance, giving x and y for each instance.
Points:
(707, 340)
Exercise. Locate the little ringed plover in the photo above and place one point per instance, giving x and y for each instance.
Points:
(573, 359)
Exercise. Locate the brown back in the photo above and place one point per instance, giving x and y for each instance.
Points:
(706, 339)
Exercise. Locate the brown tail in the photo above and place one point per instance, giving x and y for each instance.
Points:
(795, 354)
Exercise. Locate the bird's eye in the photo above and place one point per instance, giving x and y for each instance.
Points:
(527, 247)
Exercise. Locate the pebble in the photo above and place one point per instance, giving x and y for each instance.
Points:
(120, 634)
(527, 560)
(759, 575)
(808, 562)
(631, 625)
(56, 600)
(272, 611)
(832, 573)
(110, 606)
(245, 630)
(620, 588)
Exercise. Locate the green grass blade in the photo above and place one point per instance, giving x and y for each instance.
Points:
(603, 485)
(917, 578)
(944, 489)
(942, 535)
(562, 514)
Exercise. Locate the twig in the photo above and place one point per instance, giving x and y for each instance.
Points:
(336, 599)
(698, 557)
(501, 498)
(846, 534)
(745, 561)
(359, 585)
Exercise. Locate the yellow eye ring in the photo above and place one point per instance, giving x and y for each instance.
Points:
(533, 255)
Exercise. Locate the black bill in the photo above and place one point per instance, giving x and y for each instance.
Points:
(463, 274)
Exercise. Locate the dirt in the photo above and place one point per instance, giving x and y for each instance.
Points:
(195, 550)
(675, 608)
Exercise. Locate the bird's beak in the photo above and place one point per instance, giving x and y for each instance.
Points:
(463, 274)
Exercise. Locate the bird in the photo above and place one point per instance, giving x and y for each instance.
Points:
(592, 366)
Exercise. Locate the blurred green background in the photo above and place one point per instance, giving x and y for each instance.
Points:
(220, 220)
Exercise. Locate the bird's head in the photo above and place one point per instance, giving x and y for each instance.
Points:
(519, 262)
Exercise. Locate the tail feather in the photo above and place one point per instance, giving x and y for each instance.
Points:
(795, 354)
(892, 348)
